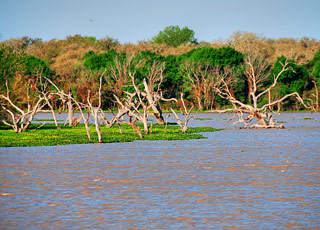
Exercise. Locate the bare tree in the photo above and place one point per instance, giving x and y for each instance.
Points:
(96, 110)
(118, 73)
(124, 70)
(186, 115)
(127, 108)
(139, 103)
(47, 95)
(71, 100)
(202, 82)
(152, 89)
(316, 95)
(19, 118)
(73, 121)
(256, 72)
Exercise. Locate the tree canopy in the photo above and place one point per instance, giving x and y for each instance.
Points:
(314, 65)
(174, 36)
(296, 80)
(221, 57)
(96, 62)
(10, 63)
(75, 63)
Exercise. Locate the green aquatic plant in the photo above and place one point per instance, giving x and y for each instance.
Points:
(50, 135)
(308, 119)
(45, 120)
(203, 119)
(280, 122)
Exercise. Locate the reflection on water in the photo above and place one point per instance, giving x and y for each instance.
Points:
(236, 179)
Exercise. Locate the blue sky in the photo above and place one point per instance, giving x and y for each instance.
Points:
(136, 20)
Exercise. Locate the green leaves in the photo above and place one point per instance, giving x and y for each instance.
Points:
(296, 80)
(314, 65)
(174, 36)
(225, 56)
(97, 62)
(49, 135)
(36, 66)
(10, 63)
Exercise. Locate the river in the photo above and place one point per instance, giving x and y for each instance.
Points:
(234, 179)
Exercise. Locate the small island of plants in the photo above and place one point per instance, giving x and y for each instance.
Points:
(49, 135)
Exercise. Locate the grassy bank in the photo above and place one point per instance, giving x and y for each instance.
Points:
(49, 135)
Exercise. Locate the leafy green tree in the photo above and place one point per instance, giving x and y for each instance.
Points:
(314, 68)
(296, 79)
(314, 65)
(174, 36)
(90, 38)
(209, 57)
(96, 62)
(173, 81)
(291, 81)
(36, 66)
(225, 56)
(11, 63)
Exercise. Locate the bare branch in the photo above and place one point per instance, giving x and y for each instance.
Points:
(256, 71)
(283, 98)
(186, 114)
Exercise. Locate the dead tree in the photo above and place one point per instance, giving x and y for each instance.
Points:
(96, 110)
(73, 121)
(126, 108)
(71, 100)
(186, 115)
(200, 80)
(118, 73)
(316, 95)
(144, 99)
(19, 118)
(46, 94)
(152, 89)
(149, 98)
(256, 72)
(131, 106)
(136, 101)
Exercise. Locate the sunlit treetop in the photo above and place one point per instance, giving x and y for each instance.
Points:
(174, 36)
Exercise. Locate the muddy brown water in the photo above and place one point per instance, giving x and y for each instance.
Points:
(234, 179)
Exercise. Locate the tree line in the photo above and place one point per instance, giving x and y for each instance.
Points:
(75, 64)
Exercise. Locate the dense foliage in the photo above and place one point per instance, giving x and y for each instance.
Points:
(10, 64)
(314, 65)
(296, 80)
(225, 56)
(174, 36)
(75, 63)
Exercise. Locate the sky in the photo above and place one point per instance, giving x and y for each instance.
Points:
(138, 20)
